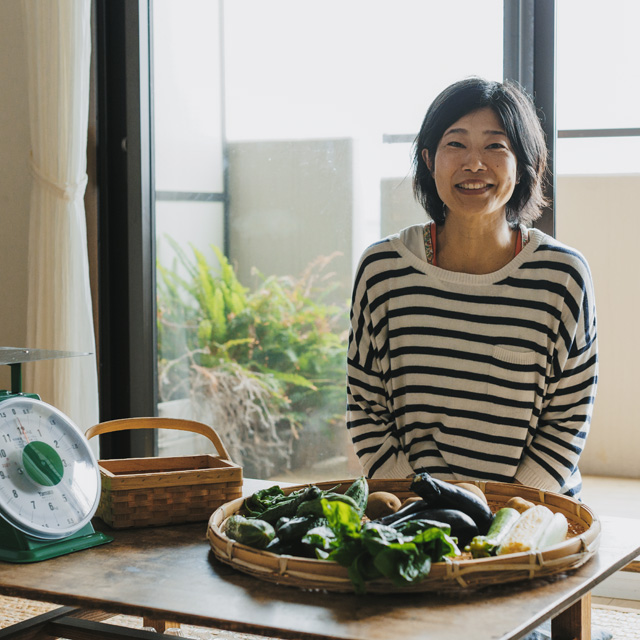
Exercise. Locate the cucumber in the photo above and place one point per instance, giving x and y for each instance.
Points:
(250, 531)
(359, 491)
(485, 546)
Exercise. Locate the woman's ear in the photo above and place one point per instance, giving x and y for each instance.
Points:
(427, 159)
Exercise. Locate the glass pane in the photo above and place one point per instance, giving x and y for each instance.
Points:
(336, 68)
(593, 156)
(186, 224)
(187, 96)
(598, 51)
(310, 89)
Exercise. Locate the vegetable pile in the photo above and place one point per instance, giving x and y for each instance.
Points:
(376, 536)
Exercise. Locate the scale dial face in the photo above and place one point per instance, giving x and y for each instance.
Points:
(49, 477)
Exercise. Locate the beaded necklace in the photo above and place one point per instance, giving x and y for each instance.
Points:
(430, 242)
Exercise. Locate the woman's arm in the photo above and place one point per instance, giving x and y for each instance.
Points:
(369, 417)
(553, 454)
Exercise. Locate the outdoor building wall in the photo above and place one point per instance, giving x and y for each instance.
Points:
(290, 202)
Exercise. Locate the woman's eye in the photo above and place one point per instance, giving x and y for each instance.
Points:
(497, 145)
(456, 144)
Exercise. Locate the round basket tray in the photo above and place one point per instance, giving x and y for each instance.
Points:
(451, 575)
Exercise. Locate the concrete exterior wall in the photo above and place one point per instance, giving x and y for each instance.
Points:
(290, 201)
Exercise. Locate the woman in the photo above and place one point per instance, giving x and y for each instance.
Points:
(473, 351)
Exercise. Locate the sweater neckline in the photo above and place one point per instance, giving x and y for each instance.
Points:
(535, 239)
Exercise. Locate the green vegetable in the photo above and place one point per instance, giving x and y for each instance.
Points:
(375, 550)
(314, 507)
(261, 500)
(293, 529)
(287, 506)
(359, 491)
(250, 531)
(485, 546)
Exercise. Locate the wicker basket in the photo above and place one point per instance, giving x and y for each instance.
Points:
(148, 492)
(448, 576)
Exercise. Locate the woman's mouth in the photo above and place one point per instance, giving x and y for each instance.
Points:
(473, 187)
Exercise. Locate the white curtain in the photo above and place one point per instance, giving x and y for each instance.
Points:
(58, 39)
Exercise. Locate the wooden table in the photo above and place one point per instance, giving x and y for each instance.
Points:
(169, 573)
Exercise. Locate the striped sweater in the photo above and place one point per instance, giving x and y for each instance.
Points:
(480, 377)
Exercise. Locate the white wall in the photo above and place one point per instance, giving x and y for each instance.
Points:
(599, 215)
(14, 180)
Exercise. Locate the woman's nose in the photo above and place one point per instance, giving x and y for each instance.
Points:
(474, 161)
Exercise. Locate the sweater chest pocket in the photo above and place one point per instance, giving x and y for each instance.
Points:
(513, 376)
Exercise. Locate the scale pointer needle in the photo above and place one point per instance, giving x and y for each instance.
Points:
(24, 433)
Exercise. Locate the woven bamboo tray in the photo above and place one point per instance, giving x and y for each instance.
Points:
(452, 575)
(149, 492)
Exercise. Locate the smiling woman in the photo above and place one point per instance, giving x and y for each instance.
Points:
(473, 350)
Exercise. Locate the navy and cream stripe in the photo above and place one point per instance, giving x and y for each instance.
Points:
(483, 377)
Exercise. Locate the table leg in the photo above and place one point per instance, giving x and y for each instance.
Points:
(160, 625)
(573, 623)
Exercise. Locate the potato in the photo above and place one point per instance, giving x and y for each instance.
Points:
(473, 488)
(519, 504)
(411, 499)
(380, 504)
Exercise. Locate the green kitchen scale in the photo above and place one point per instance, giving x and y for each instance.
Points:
(49, 476)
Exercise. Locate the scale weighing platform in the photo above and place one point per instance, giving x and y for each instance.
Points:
(49, 476)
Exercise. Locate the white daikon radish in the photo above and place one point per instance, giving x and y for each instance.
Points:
(555, 532)
(527, 531)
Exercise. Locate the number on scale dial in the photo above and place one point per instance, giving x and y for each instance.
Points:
(49, 477)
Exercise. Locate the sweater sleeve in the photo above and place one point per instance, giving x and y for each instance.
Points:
(369, 417)
(553, 454)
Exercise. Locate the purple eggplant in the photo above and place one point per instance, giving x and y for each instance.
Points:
(462, 526)
(444, 495)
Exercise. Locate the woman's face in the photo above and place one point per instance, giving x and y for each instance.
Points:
(475, 168)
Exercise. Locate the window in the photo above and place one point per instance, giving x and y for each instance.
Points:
(284, 141)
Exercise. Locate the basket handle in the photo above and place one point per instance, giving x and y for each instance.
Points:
(160, 423)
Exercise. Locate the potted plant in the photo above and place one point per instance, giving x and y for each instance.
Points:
(265, 367)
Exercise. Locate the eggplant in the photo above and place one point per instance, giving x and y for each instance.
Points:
(439, 494)
(462, 526)
(407, 509)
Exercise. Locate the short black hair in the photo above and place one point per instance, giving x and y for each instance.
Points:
(517, 113)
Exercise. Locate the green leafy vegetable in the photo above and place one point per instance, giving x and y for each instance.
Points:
(373, 550)
(261, 500)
